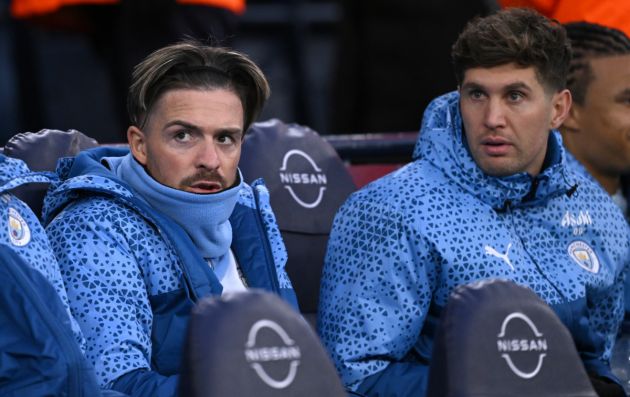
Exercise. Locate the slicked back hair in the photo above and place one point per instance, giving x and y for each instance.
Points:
(515, 35)
(192, 65)
(590, 41)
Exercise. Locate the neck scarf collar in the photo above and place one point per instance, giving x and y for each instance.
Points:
(205, 217)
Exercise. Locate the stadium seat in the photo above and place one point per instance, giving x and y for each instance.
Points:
(254, 344)
(496, 338)
(308, 182)
(40, 151)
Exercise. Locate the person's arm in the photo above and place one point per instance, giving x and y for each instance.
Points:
(141, 383)
(108, 294)
(374, 299)
(605, 314)
(606, 311)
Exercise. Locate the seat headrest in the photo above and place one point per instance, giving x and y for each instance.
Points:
(496, 338)
(40, 150)
(306, 178)
(253, 344)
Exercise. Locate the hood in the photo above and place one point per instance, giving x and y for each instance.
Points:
(441, 143)
(86, 171)
(14, 172)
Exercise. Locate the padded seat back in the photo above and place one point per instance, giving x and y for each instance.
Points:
(496, 338)
(40, 151)
(307, 182)
(254, 344)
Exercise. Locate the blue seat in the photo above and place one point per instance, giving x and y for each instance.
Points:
(254, 344)
(496, 338)
(308, 182)
(40, 151)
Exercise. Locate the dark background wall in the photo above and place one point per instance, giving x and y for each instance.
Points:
(345, 66)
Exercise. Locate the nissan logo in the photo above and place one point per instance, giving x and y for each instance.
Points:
(514, 348)
(314, 177)
(258, 356)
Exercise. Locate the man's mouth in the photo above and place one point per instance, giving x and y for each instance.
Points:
(205, 187)
(495, 146)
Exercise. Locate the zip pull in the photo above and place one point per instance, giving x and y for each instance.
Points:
(532, 191)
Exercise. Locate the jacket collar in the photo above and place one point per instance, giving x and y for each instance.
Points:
(14, 172)
(441, 142)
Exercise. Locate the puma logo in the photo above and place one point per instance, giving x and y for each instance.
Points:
(491, 251)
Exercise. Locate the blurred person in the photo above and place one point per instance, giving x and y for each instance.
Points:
(597, 129)
(143, 234)
(118, 34)
(489, 195)
(41, 343)
(611, 13)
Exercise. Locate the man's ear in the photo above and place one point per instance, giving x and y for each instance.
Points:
(137, 144)
(561, 103)
(572, 122)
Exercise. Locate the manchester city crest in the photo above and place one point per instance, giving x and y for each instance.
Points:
(19, 232)
(584, 256)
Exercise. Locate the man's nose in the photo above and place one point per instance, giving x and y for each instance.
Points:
(495, 114)
(208, 156)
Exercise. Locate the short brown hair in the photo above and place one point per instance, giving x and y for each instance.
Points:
(190, 64)
(515, 35)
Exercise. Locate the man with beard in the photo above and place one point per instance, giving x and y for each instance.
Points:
(141, 235)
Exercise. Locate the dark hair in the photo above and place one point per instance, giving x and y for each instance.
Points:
(190, 64)
(515, 35)
(588, 41)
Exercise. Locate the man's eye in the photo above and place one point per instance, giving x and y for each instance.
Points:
(183, 136)
(515, 96)
(225, 139)
(475, 94)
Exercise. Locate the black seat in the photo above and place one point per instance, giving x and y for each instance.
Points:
(496, 338)
(307, 182)
(40, 151)
(253, 344)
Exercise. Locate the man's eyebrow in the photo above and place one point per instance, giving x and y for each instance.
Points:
(181, 123)
(518, 85)
(471, 85)
(236, 132)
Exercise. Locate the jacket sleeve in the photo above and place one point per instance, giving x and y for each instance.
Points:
(375, 295)
(109, 293)
(140, 383)
(606, 312)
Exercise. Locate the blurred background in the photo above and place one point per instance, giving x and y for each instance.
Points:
(337, 66)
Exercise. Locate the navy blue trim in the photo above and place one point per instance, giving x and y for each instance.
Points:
(80, 381)
(252, 253)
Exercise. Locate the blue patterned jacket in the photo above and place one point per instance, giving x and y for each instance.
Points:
(578, 167)
(39, 340)
(133, 274)
(401, 244)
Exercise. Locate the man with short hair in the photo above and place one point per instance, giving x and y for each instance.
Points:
(489, 195)
(597, 129)
(142, 235)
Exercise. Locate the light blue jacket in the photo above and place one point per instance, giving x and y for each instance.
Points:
(401, 244)
(39, 339)
(132, 274)
(578, 167)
